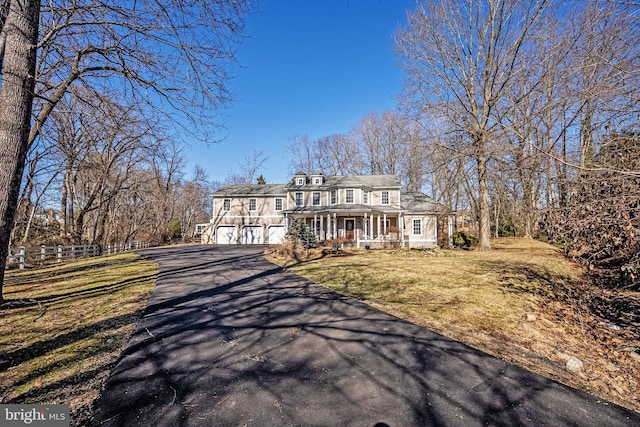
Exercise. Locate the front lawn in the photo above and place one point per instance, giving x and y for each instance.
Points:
(63, 328)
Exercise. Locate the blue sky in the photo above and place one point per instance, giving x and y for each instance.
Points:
(309, 67)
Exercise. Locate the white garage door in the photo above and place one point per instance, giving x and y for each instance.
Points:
(276, 234)
(252, 234)
(226, 235)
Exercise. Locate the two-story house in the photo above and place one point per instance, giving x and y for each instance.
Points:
(369, 210)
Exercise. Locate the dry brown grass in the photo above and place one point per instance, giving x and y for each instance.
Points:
(63, 328)
(523, 302)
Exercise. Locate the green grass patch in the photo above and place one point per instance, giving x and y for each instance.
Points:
(63, 327)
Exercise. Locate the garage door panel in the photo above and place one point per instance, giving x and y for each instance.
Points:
(226, 235)
(276, 234)
(252, 235)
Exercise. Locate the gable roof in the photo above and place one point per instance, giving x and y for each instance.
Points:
(419, 203)
(352, 181)
(252, 190)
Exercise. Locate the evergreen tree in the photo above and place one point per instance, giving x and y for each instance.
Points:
(299, 231)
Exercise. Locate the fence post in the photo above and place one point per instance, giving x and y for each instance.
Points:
(73, 252)
(43, 253)
(84, 250)
(22, 254)
(59, 253)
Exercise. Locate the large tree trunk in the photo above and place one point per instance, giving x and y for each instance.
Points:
(484, 229)
(20, 31)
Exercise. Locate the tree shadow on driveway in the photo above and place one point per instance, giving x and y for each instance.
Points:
(230, 339)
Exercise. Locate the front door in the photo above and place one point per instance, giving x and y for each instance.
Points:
(349, 225)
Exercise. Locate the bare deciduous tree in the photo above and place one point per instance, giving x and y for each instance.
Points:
(168, 57)
(249, 169)
(18, 38)
(461, 59)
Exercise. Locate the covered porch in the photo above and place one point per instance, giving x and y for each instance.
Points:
(364, 226)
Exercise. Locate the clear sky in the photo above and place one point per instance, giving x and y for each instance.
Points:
(309, 67)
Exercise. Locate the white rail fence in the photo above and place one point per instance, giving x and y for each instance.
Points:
(41, 255)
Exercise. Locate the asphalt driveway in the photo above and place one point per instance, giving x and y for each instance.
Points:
(229, 339)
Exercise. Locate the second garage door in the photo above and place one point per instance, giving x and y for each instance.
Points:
(252, 235)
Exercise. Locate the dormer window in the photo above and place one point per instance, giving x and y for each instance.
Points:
(300, 178)
(317, 178)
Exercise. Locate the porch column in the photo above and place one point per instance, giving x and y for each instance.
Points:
(378, 225)
(364, 227)
(329, 236)
(401, 230)
(335, 226)
(384, 224)
(322, 237)
(371, 227)
(315, 224)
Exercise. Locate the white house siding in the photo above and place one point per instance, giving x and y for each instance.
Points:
(428, 238)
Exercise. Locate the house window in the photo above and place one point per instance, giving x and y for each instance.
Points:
(334, 197)
(316, 181)
(385, 197)
(365, 197)
(298, 199)
(300, 181)
(417, 227)
(316, 198)
(349, 196)
(226, 205)
(252, 204)
(278, 204)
